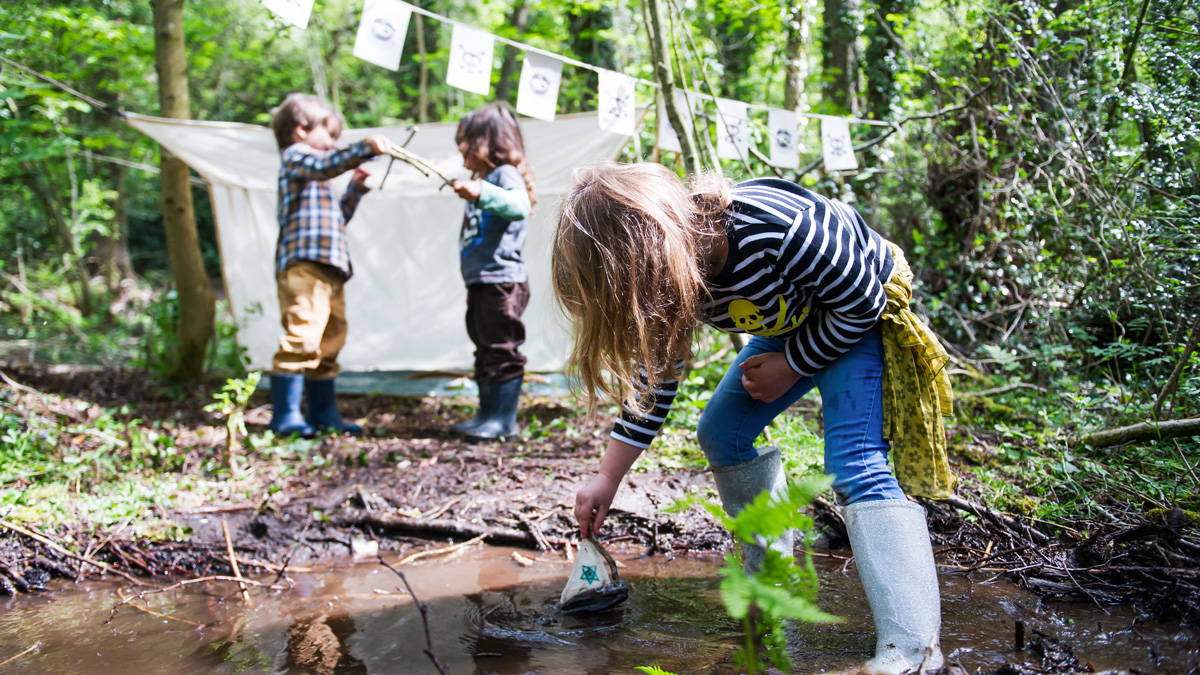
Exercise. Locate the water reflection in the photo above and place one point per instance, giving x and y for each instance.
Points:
(487, 614)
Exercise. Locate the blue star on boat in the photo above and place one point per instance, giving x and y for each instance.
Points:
(589, 574)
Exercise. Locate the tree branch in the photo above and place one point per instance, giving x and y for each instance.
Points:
(1146, 431)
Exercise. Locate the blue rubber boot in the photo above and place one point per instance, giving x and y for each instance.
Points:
(502, 401)
(322, 408)
(287, 391)
(486, 403)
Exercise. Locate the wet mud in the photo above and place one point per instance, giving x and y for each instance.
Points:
(409, 486)
(490, 611)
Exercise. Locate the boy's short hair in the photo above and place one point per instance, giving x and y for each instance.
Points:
(305, 111)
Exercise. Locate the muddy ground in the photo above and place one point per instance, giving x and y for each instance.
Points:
(410, 484)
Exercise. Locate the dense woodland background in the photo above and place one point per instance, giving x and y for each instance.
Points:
(1042, 171)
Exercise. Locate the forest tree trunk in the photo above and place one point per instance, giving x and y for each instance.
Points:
(839, 59)
(517, 19)
(112, 250)
(799, 38)
(423, 74)
(196, 303)
(62, 230)
(664, 73)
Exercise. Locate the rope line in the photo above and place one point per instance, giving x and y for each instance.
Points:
(649, 83)
(104, 107)
(65, 87)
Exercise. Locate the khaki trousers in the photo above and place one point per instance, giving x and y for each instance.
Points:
(313, 309)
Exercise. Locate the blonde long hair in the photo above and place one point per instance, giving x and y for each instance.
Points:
(628, 268)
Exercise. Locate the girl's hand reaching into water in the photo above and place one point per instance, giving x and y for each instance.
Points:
(767, 376)
(592, 502)
(467, 189)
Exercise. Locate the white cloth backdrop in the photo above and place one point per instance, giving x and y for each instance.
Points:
(406, 302)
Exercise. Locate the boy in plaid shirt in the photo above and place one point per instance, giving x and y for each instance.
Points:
(312, 263)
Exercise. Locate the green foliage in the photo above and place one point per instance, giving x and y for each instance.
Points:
(230, 404)
(784, 588)
(1043, 182)
(653, 670)
(159, 346)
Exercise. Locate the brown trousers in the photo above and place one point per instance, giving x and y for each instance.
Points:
(313, 309)
(494, 325)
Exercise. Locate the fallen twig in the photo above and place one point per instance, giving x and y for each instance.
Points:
(33, 648)
(1146, 431)
(19, 387)
(59, 549)
(424, 609)
(220, 509)
(998, 518)
(274, 567)
(141, 595)
(445, 528)
(147, 610)
(439, 551)
(536, 532)
(237, 573)
(443, 508)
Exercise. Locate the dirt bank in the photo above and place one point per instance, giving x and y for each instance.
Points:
(409, 485)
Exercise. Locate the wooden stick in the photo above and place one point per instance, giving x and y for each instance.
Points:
(19, 387)
(419, 163)
(140, 595)
(237, 573)
(10, 659)
(443, 508)
(220, 509)
(424, 609)
(251, 562)
(439, 551)
(59, 549)
(442, 528)
(1146, 431)
(147, 610)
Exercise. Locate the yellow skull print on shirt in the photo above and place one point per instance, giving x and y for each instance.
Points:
(749, 319)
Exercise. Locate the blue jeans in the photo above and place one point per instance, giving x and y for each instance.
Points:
(852, 408)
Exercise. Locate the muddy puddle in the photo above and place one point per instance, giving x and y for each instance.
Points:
(490, 614)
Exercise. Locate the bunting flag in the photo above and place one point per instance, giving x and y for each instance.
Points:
(836, 145)
(667, 140)
(537, 93)
(471, 55)
(782, 132)
(381, 32)
(733, 129)
(295, 12)
(616, 103)
(380, 40)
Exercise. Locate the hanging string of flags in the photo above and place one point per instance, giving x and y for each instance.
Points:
(380, 41)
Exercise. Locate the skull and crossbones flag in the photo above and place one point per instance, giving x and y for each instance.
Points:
(616, 94)
(295, 12)
(837, 147)
(471, 55)
(782, 131)
(537, 93)
(733, 129)
(381, 32)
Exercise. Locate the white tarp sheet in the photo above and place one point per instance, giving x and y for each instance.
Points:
(406, 303)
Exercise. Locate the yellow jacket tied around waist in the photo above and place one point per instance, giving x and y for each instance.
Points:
(916, 391)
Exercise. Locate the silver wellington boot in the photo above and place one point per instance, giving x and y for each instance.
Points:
(739, 484)
(891, 548)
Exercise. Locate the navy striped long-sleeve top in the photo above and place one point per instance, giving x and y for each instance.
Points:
(800, 267)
